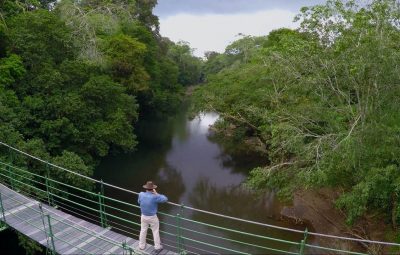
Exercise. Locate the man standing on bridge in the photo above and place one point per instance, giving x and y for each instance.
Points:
(148, 202)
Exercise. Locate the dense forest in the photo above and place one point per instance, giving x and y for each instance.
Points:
(76, 76)
(324, 99)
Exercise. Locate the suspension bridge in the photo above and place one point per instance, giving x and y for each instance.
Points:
(70, 213)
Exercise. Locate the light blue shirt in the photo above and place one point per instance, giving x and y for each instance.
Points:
(149, 202)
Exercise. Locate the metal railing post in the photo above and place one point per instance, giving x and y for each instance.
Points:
(102, 208)
(125, 248)
(47, 189)
(50, 199)
(10, 174)
(9, 169)
(53, 247)
(303, 242)
(181, 222)
(3, 224)
(178, 232)
(10, 177)
(50, 248)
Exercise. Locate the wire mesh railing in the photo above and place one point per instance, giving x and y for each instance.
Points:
(41, 180)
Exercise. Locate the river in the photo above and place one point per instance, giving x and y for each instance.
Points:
(191, 168)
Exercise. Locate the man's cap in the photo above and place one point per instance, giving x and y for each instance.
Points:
(150, 185)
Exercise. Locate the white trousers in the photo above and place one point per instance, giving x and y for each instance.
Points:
(154, 224)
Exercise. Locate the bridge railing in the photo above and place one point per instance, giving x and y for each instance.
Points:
(180, 233)
(48, 222)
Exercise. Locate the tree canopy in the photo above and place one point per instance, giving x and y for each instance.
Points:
(323, 99)
(76, 76)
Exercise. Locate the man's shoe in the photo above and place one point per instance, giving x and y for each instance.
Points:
(142, 248)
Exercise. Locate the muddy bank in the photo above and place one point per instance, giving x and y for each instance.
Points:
(317, 208)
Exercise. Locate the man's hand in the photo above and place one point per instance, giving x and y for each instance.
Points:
(155, 192)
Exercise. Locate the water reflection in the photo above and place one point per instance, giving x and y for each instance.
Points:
(196, 156)
(236, 154)
(171, 179)
(235, 201)
(192, 167)
(201, 123)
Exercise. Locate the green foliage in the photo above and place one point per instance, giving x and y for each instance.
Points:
(10, 8)
(71, 160)
(110, 122)
(243, 49)
(125, 56)
(189, 66)
(55, 90)
(145, 14)
(39, 37)
(122, 38)
(215, 62)
(31, 247)
(73, 80)
(377, 190)
(324, 101)
(11, 70)
(260, 180)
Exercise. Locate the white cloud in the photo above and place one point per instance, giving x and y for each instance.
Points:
(215, 32)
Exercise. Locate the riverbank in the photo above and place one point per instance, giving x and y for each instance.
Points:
(317, 207)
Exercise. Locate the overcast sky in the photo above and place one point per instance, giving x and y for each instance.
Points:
(213, 24)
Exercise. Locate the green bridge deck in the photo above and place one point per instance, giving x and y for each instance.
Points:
(66, 234)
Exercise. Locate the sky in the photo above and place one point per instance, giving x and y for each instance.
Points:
(211, 25)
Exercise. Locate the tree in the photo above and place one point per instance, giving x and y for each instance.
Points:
(146, 16)
(125, 56)
(189, 65)
(48, 38)
(323, 99)
(73, 75)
